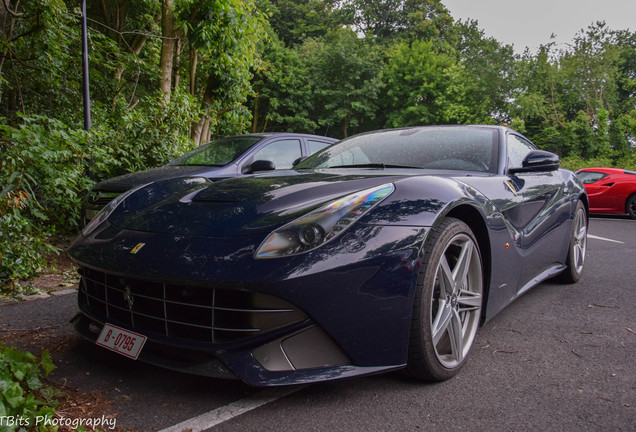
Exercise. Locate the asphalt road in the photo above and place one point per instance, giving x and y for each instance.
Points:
(560, 358)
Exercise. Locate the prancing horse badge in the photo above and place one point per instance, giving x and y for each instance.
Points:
(137, 248)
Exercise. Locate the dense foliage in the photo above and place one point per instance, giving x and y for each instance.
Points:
(24, 399)
(168, 75)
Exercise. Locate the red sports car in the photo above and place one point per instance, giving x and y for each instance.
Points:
(610, 190)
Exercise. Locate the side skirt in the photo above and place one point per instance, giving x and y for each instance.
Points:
(551, 271)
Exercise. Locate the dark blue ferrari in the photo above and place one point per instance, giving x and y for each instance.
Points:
(385, 251)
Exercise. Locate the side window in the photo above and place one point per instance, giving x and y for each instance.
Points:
(315, 146)
(518, 148)
(588, 177)
(283, 153)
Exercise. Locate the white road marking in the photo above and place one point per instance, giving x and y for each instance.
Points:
(234, 409)
(604, 239)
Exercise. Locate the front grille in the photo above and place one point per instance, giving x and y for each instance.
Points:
(187, 312)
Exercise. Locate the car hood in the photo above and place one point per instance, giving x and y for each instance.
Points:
(235, 207)
(129, 181)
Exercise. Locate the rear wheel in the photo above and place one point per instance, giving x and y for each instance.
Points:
(578, 247)
(630, 206)
(448, 303)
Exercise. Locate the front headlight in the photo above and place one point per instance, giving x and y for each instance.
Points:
(106, 211)
(321, 225)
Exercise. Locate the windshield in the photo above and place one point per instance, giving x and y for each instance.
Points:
(217, 153)
(438, 148)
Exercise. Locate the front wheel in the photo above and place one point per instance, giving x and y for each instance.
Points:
(448, 302)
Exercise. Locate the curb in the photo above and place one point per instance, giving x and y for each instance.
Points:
(40, 296)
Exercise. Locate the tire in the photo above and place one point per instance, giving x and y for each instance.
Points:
(578, 247)
(448, 301)
(630, 206)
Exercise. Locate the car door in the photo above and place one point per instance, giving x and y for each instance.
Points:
(529, 221)
(602, 194)
(537, 211)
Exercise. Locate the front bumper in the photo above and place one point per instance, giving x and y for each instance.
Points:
(304, 356)
(340, 311)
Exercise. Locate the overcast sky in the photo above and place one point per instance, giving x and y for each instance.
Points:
(531, 22)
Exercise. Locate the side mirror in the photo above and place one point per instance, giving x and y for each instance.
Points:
(537, 161)
(260, 165)
(299, 160)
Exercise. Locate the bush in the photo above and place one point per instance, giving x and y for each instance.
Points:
(48, 160)
(41, 181)
(23, 396)
(47, 167)
(145, 137)
(574, 163)
(22, 252)
(627, 162)
(22, 249)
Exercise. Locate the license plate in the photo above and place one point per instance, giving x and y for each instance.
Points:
(121, 341)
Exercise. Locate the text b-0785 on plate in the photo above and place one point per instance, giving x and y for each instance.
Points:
(122, 341)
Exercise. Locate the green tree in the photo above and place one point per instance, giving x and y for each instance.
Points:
(492, 68)
(37, 65)
(406, 19)
(224, 34)
(295, 21)
(346, 71)
(425, 87)
(283, 96)
(536, 101)
(580, 101)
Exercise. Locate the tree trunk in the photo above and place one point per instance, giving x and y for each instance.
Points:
(177, 57)
(205, 134)
(4, 33)
(168, 43)
(194, 58)
(197, 127)
(255, 115)
(196, 131)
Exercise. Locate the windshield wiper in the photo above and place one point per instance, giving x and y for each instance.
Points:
(374, 165)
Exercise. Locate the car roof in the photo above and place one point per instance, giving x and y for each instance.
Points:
(283, 134)
(604, 170)
(464, 126)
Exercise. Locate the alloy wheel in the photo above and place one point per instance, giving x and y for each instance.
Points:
(456, 301)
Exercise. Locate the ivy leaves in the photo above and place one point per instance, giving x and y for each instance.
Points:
(23, 396)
